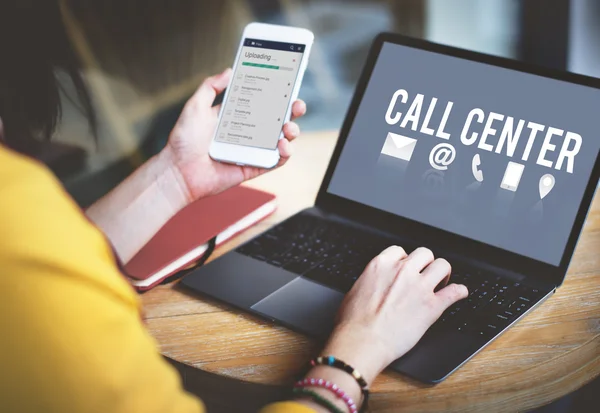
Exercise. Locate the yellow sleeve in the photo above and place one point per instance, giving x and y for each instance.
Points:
(72, 338)
(287, 407)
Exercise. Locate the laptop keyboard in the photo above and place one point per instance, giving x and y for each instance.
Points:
(332, 254)
(335, 255)
(493, 303)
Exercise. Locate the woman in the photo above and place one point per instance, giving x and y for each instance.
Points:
(72, 336)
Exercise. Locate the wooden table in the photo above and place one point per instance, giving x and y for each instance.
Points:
(550, 353)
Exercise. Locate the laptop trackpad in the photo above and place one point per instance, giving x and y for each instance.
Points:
(303, 305)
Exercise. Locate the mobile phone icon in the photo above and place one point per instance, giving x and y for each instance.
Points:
(512, 176)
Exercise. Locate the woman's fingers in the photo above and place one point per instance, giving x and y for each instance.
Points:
(211, 87)
(394, 252)
(379, 274)
(383, 266)
(449, 295)
(388, 262)
(285, 150)
(419, 258)
(298, 109)
(437, 272)
(207, 92)
(291, 131)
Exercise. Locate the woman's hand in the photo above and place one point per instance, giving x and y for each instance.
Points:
(384, 315)
(190, 140)
(132, 213)
(390, 307)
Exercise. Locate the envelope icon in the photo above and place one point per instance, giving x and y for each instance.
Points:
(399, 146)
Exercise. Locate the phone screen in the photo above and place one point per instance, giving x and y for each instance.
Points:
(260, 93)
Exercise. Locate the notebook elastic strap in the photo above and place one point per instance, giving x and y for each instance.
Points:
(211, 247)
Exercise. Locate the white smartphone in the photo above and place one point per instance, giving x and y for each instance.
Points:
(267, 73)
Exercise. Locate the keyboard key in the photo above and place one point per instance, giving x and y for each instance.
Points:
(502, 320)
(489, 330)
(276, 263)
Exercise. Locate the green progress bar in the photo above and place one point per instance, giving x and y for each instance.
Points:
(260, 65)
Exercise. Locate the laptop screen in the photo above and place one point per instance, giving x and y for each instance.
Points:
(496, 155)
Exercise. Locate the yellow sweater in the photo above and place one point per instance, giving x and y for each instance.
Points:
(71, 334)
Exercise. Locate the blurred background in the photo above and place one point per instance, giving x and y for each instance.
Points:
(143, 58)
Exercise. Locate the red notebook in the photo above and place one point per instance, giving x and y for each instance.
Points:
(184, 239)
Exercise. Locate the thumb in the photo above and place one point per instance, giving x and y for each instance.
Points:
(211, 87)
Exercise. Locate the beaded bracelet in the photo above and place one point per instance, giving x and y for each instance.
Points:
(339, 364)
(317, 398)
(332, 388)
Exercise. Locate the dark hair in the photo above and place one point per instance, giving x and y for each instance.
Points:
(34, 47)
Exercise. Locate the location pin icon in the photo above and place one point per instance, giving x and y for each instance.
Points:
(546, 185)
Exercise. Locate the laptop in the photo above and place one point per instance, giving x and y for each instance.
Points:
(489, 162)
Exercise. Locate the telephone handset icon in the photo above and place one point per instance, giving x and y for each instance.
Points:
(476, 163)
